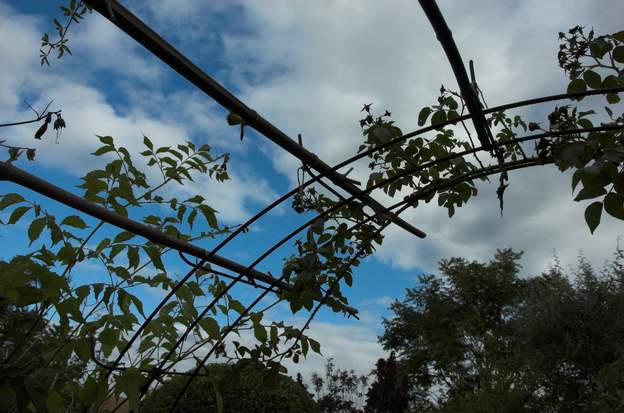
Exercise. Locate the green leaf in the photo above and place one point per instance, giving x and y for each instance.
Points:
(613, 98)
(610, 81)
(576, 86)
(618, 54)
(438, 117)
(108, 336)
(102, 245)
(124, 236)
(599, 47)
(590, 192)
(10, 199)
(592, 79)
(592, 215)
(260, 332)
(211, 326)
(35, 229)
(236, 306)
(148, 143)
(17, 214)
(129, 381)
(74, 221)
(614, 205)
(210, 216)
(191, 217)
(154, 255)
(54, 402)
(133, 256)
(316, 347)
(423, 115)
(452, 114)
(137, 303)
(102, 150)
(197, 199)
(106, 140)
(576, 178)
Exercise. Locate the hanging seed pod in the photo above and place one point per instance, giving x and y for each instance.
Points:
(59, 123)
(234, 119)
(14, 153)
(42, 129)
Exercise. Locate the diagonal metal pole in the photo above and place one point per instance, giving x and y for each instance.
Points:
(16, 175)
(445, 36)
(139, 31)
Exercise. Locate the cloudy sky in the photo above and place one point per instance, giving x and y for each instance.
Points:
(308, 67)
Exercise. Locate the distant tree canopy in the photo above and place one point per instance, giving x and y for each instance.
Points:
(244, 390)
(389, 393)
(28, 342)
(339, 390)
(481, 338)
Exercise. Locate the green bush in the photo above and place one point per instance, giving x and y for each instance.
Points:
(250, 390)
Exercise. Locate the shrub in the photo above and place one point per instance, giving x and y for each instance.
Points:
(249, 389)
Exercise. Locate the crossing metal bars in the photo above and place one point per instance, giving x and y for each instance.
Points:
(139, 31)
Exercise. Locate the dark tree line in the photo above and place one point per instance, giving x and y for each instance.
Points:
(482, 338)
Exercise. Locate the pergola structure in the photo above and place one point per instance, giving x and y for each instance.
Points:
(324, 174)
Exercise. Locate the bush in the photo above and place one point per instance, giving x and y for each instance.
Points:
(250, 391)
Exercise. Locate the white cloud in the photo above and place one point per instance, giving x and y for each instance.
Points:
(331, 57)
(352, 346)
(383, 301)
(231, 199)
(81, 91)
(19, 56)
(98, 45)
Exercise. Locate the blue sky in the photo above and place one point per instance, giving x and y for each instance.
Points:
(308, 67)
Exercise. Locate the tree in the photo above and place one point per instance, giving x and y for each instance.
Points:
(481, 338)
(389, 393)
(340, 390)
(246, 389)
(27, 341)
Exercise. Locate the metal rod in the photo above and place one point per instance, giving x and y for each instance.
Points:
(16, 175)
(445, 36)
(499, 108)
(153, 42)
(409, 171)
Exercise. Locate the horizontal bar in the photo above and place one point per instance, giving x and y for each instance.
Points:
(18, 176)
(139, 31)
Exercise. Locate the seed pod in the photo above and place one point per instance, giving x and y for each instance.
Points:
(59, 123)
(42, 129)
(13, 154)
(234, 119)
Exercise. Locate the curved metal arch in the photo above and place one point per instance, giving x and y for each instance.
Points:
(493, 170)
(488, 171)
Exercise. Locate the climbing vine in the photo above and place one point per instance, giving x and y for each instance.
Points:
(125, 347)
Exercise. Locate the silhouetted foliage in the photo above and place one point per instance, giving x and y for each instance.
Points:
(481, 338)
(248, 389)
(27, 343)
(339, 391)
(389, 393)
